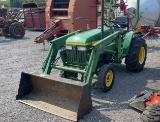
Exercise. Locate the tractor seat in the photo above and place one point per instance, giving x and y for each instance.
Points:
(123, 21)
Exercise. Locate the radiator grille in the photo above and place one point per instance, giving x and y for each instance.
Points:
(76, 57)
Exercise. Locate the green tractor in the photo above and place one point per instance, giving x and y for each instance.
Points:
(83, 55)
(87, 54)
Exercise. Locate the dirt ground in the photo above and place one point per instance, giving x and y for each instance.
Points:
(24, 55)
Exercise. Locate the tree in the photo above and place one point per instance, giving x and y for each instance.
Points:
(16, 3)
(6, 3)
(1, 4)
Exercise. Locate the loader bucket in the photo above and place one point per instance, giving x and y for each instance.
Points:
(140, 100)
(63, 97)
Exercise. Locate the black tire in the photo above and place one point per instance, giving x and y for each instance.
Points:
(103, 84)
(151, 113)
(17, 30)
(65, 74)
(136, 57)
(5, 33)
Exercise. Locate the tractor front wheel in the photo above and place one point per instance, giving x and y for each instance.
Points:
(136, 57)
(106, 78)
(17, 30)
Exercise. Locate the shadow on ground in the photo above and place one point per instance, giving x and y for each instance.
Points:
(7, 40)
(124, 90)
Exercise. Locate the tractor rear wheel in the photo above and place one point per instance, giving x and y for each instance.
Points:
(106, 78)
(17, 30)
(136, 57)
(5, 33)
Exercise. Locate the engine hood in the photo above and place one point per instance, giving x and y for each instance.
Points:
(87, 37)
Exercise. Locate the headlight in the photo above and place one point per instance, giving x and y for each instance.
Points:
(82, 48)
(68, 47)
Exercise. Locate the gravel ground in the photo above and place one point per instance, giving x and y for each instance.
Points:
(23, 55)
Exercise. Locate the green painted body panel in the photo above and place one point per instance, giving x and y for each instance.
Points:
(127, 41)
(56, 45)
(87, 37)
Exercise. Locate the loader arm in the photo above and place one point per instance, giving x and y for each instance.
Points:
(56, 45)
(99, 48)
(47, 34)
(110, 44)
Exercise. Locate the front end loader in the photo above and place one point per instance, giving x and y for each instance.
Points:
(83, 55)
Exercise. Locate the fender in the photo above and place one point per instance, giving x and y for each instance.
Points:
(127, 41)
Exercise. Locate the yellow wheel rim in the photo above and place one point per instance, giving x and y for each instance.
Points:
(141, 55)
(109, 78)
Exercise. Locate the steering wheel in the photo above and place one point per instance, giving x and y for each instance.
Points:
(116, 24)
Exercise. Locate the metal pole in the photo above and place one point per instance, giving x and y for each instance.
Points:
(137, 15)
(102, 19)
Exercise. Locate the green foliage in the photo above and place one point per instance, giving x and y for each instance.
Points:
(0, 4)
(18, 3)
(6, 3)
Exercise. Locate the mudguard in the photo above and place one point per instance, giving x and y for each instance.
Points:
(127, 41)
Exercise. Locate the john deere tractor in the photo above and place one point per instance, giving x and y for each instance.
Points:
(86, 53)
(83, 55)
